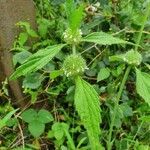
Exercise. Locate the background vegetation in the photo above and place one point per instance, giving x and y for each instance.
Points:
(118, 61)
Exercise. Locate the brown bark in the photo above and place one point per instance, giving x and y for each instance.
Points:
(11, 12)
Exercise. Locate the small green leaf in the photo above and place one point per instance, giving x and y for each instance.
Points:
(54, 74)
(103, 74)
(21, 57)
(23, 37)
(33, 80)
(143, 85)
(36, 128)
(88, 106)
(29, 115)
(27, 26)
(58, 131)
(37, 61)
(44, 116)
(103, 39)
(6, 118)
(126, 109)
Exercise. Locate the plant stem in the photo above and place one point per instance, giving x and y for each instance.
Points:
(142, 27)
(74, 49)
(109, 144)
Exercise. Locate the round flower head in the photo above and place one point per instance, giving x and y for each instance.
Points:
(74, 65)
(133, 58)
(72, 37)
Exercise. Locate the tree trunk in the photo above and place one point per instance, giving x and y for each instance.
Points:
(11, 12)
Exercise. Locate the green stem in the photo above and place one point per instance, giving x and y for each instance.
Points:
(70, 140)
(142, 27)
(109, 144)
(74, 49)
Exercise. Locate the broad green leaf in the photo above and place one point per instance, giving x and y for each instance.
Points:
(103, 39)
(32, 80)
(44, 116)
(88, 107)
(6, 118)
(143, 85)
(103, 74)
(29, 115)
(36, 128)
(37, 61)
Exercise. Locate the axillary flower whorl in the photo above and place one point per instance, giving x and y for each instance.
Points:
(72, 37)
(133, 58)
(74, 65)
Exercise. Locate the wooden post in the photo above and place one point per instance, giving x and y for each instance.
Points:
(11, 12)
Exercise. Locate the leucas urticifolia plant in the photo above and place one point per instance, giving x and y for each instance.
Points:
(86, 98)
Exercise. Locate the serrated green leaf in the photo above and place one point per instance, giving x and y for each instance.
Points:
(37, 61)
(36, 128)
(103, 39)
(143, 85)
(103, 74)
(88, 107)
(29, 115)
(44, 116)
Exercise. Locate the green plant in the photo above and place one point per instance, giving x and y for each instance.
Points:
(133, 58)
(86, 99)
(36, 121)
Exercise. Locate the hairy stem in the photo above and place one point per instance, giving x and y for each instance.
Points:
(109, 144)
(142, 27)
(74, 49)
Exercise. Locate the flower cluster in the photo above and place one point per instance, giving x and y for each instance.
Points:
(74, 65)
(72, 37)
(133, 58)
